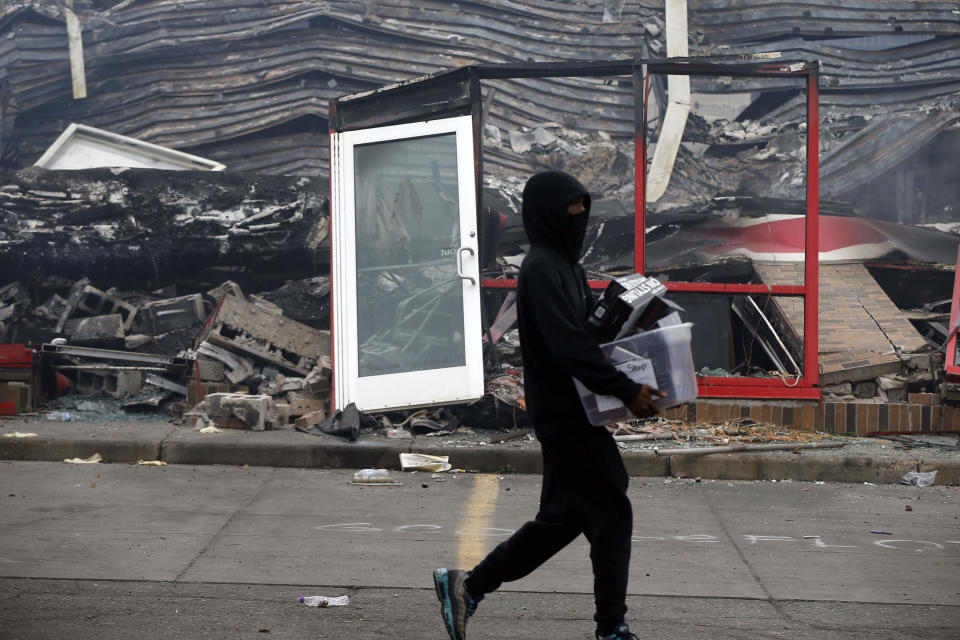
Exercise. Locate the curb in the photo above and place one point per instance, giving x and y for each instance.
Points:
(836, 468)
(119, 443)
(56, 450)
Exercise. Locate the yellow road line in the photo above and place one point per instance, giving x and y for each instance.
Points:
(477, 517)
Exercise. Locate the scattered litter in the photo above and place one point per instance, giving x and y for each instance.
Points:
(398, 434)
(920, 478)
(345, 423)
(427, 422)
(734, 448)
(59, 416)
(510, 435)
(18, 434)
(734, 432)
(909, 508)
(95, 458)
(324, 601)
(907, 441)
(424, 462)
(152, 463)
(374, 476)
(210, 429)
(881, 533)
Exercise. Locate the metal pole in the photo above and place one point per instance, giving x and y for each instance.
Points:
(811, 342)
(639, 167)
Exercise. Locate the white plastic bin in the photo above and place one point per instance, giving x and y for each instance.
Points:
(660, 358)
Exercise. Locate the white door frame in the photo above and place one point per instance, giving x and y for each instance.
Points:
(416, 388)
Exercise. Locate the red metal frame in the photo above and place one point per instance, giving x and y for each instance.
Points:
(950, 359)
(807, 386)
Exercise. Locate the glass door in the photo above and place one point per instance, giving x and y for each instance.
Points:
(405, 266)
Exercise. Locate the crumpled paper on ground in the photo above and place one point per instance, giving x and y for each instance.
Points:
(95, 458)
(152, 463)
(18, 434)
(920, 478)
(424, 462)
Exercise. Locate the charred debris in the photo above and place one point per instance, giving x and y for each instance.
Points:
(159, 288)
(250, 89)
(198, 295)
(92, 257)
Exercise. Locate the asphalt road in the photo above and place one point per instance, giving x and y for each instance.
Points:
(126, 551)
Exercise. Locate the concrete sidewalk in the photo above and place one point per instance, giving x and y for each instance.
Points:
(860, 460)
(119, 551)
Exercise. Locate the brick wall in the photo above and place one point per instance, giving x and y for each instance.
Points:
(845, 323)
(922, 414)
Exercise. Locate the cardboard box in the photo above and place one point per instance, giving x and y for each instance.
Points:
(622, 304)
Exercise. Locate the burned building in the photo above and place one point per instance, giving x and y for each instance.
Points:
(249, 88)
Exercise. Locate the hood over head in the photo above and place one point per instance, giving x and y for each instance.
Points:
(545, 218)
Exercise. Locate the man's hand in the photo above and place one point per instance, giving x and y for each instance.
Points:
(642, 406)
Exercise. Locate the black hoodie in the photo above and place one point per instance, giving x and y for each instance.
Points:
(553, 301)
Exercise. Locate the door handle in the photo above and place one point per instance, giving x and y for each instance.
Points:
(460, 272)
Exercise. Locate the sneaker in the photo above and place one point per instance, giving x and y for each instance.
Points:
(456, 605)
(622, 633)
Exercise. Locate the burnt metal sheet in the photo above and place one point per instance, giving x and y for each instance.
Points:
(251, 86)
(208, 53)
(878, 147)
(756, 20)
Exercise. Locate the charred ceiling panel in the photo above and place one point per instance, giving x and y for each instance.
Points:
(186, 74)
(248, 83)
(890, 90)
(149, 227)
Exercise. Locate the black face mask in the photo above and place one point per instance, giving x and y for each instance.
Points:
(574, 230)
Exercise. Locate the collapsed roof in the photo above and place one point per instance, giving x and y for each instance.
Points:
(249, 87)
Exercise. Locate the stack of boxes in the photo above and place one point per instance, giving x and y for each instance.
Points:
(641, 333)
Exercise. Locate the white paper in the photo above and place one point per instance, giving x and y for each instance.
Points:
(424, 462)
(94, 459)
(637, 369)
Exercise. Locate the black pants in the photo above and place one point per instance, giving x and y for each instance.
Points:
(584, 491)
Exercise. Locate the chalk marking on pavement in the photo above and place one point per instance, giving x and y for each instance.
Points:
(486, 532)
(481, 505)
(477, 515)
(890, 544)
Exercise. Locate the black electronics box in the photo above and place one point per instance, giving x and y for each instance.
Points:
(629, 303)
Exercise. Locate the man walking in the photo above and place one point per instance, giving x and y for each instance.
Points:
(584, 480)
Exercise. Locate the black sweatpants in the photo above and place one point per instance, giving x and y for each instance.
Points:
(584, 491)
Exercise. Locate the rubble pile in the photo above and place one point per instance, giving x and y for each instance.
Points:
(146, 228)
(738, 431)
(219, 358)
